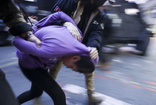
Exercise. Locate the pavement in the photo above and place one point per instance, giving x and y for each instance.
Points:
(129, 80)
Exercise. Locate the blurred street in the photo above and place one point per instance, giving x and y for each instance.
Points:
(129, 80)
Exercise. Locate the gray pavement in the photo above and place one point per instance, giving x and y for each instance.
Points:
(129, 80)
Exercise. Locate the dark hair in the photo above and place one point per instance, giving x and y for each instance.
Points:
(90, 7)
(85, 65)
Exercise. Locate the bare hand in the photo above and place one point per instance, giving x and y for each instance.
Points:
(93, 53)
(73, 30)
(33, 19)
(33, 38)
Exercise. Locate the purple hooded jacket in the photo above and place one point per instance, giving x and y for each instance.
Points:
(56, 42)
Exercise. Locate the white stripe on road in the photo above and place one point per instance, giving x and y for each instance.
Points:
(9, 64)
(107, 100)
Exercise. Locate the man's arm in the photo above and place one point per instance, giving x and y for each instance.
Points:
(9, 13)
(95, 36)
(68, 22)
(94, 39)
(13, 18)
(62, 47)
(29, 47)
(52, 18)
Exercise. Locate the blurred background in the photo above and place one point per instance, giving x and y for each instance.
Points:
(131, 23)
(125, 74)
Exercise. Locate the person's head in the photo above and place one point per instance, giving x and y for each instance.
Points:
(96, 2)
(92, 4)
(82, 64)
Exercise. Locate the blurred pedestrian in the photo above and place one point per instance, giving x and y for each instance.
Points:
(149, 5)
(131, 35)
(35, 62)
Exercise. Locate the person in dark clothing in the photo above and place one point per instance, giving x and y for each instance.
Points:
(90, 20)
(85, 10)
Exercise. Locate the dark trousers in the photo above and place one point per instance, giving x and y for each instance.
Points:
(42, 81)
(6, 95)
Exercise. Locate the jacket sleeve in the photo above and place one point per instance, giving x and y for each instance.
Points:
(61, 50)
(49, 20)
(30, 47)
(95, 36)
(13, 18)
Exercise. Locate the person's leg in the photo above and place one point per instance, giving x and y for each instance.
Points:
(89, 77)
(34, 91)
(6, 94)
(55, 69)
(43, 81)
(30, 94)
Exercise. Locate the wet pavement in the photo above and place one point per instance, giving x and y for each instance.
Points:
(129, 80)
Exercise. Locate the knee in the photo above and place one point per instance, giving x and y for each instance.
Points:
(61, 94)
(38, 94)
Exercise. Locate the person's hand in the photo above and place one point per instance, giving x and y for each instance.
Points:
(73, 30)
(33, 38)
(33, 19)
(93, 53)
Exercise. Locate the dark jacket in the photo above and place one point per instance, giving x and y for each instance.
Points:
(93, 32)
(67, 6)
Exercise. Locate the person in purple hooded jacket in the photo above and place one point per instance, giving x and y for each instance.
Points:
(56, 43)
